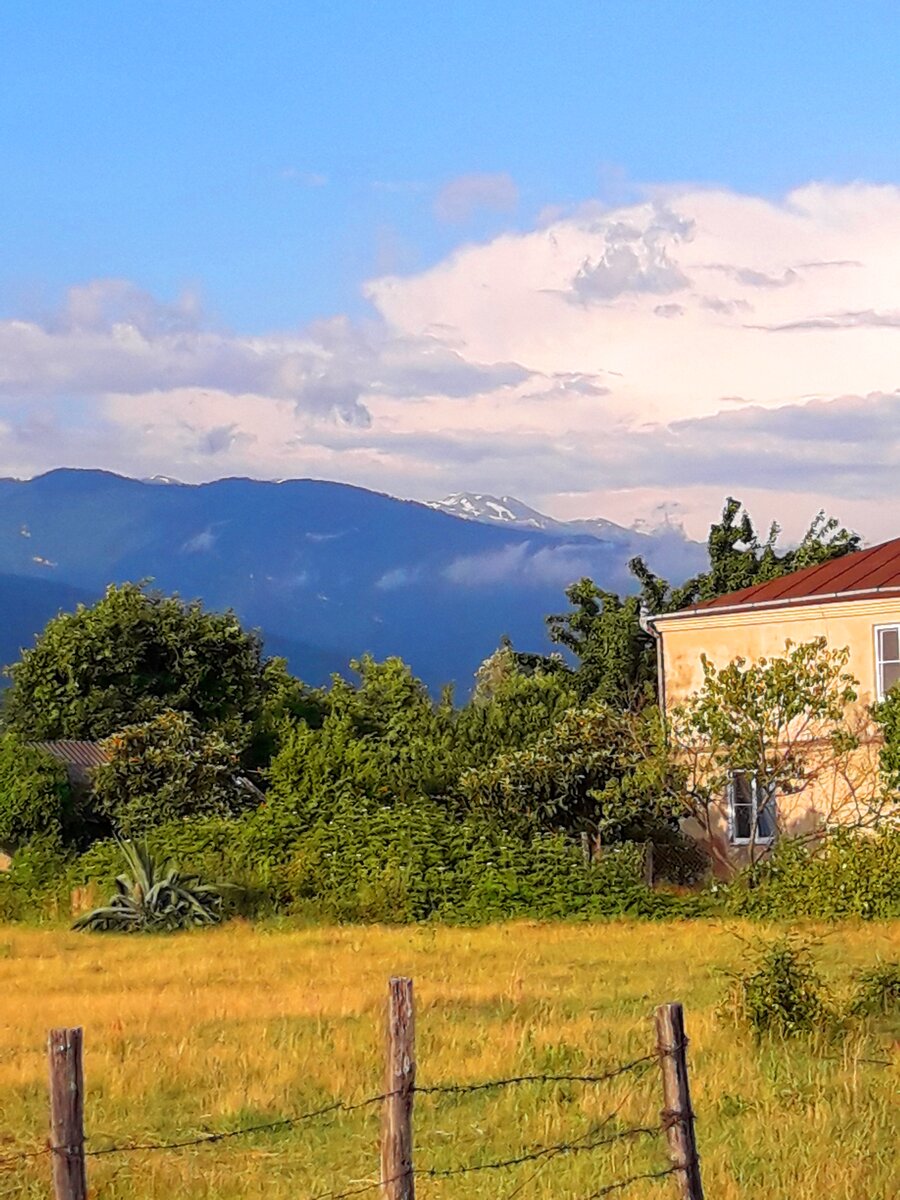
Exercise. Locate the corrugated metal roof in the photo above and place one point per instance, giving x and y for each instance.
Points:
(81, 754)
(863, 575)
(80, 757)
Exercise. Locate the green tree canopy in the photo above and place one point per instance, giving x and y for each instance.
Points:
(615, 656)
(595, 770)
(786, 721)
(739, 558)
(165, 769)
(131, 656)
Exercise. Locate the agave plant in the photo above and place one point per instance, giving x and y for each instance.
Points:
(153, 896)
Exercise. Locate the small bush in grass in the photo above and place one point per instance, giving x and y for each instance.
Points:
(780, 992)
(876, 991)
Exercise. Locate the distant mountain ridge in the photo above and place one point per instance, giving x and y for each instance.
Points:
(325, 570)
(507, 510)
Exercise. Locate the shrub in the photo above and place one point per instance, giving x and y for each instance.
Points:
(780, 992)
(168, 768)
(846, 874)
(876, 991)
(154, 897)
(35, 797)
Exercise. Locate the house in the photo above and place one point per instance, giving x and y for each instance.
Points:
(852, 602)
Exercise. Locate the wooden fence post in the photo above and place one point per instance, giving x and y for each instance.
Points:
(677, 1114)
(67, 1114)
(397, 1179)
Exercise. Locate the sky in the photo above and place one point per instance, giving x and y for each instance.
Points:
(619, 258)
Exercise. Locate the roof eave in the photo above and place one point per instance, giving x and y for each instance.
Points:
(760, 605)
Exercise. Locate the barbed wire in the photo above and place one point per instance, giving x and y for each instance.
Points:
(338, 1106)
(573, 1146)
(620, 1184)
(587, 1141)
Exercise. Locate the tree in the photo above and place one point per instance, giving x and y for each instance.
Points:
(738, 558)
(165, 769)
(616, 658)
(786, 723)
(887, 716)
(129, 657)
(596, 770)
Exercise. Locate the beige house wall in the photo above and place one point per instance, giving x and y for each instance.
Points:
(837, 796)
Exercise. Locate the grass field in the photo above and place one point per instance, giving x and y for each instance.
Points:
(214, 1030)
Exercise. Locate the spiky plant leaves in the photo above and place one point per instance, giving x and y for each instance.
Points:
(154, 896)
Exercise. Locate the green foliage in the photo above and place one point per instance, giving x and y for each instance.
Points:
(130, 657)
(780, 992)
(783, 720)
(154, 897)
(616, 658)
(739, 558)
(887, 715)
(845, 875)
(167, 768)
(417, 862)
(876, 991)
(35, 796)
(594, 770)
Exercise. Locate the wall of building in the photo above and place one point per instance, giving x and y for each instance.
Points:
(838, 796)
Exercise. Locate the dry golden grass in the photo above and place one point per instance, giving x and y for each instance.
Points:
(220, 1029)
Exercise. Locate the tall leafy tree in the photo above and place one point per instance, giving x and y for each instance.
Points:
(739, 558)
(615, 656)
(131, 656)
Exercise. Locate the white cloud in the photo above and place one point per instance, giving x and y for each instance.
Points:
(596, 365)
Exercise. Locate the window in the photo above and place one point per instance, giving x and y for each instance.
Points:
(748, 807)
(887, 658)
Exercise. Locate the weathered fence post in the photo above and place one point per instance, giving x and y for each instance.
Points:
(67, 1114)
(397, 1179)
(677, 1115)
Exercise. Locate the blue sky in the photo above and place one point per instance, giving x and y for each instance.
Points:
(618, 258)
(275, 155)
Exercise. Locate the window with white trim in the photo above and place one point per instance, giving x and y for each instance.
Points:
(750, 807)
(887, 658)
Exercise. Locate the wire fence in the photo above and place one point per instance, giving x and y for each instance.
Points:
(69, 1153)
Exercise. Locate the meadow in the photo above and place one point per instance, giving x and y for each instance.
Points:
(244, 1024)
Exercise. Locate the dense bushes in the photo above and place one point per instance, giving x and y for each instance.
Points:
(35, 797)
(845, 875)
(399, 863)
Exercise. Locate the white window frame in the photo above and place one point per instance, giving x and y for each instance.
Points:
(891, 627)
(770, 807)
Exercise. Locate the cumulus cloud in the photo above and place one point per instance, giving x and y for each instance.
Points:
(597, 364)
(460, 199)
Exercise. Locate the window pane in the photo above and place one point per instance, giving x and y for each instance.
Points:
(766, 822)
(742, 821)
(741, 788)
(890, 675)
(890, 645)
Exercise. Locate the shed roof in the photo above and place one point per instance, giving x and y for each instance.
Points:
(80, 758)
(863, 575)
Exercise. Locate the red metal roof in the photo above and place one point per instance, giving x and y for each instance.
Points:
(863, 575)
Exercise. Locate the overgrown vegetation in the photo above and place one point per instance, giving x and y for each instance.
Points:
(371, 800)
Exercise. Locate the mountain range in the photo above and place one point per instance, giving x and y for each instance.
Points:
(325, 570)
